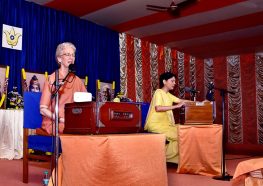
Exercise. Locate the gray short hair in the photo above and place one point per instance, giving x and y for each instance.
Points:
(62, 46)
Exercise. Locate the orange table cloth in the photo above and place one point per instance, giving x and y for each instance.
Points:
(119, 160)
(242, 173)
(200, 149)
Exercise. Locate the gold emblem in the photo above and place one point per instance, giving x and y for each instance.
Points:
(12, 37)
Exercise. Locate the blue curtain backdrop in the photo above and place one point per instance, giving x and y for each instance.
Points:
(43, 29)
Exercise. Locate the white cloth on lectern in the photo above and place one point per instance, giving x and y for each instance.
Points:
(11, 134)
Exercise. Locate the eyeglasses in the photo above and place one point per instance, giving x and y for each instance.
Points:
(68, 55)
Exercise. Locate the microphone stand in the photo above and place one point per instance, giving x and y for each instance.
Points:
(58, 85)
(224, 175)
(55, 127)
(193, 96)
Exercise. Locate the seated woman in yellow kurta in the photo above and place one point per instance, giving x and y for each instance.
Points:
(160, 117)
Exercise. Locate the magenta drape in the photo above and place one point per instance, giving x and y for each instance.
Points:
(161, 60)
(248, 90)
(199, 65)
(146, 81)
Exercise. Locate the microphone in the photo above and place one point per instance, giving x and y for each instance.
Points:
(191, 90)
(210, 85)
(210, 94)
(72, 68)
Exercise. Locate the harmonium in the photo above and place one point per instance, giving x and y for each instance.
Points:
(198, 113)
(102, 118)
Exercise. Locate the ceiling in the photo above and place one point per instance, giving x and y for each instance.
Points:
(207, 28)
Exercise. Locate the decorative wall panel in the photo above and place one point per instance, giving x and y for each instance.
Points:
(234, 100)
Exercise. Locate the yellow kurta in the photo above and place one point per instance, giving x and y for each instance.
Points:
(163, 122)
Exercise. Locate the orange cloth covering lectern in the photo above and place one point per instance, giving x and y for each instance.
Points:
(116, 159)
(200, 149)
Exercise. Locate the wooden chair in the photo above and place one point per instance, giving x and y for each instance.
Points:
(32, 82)
(33, 120)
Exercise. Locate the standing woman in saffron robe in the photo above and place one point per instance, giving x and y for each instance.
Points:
(160, 118)
(65, 56)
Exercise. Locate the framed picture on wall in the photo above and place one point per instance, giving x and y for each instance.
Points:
(32, 81)
(85, 81)
(4, 75)
(105, 91)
